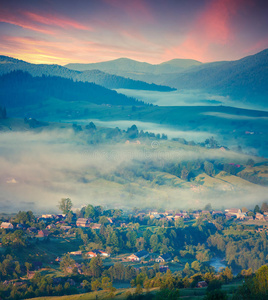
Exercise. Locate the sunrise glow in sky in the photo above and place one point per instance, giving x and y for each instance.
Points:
(85, 31)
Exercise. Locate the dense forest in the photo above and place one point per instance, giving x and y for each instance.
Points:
(20, 88)
(3, 112)
(111, 81)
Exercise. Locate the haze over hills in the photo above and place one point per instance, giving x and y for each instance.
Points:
(8, 64)
(244, 79)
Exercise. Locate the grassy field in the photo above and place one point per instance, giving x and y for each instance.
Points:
(189, 294)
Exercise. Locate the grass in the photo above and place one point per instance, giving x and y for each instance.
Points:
(188, 293)
(119, 294)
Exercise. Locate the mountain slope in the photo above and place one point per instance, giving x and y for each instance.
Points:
(116, 82)
(8, 64)
(244, 79)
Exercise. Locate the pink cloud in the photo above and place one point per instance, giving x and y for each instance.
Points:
(64, 50)
(55, 20)
(215, 22)
(19, 21)
(212, 29)
(45, 23)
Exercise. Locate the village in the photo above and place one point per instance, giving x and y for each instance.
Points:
(68, 245)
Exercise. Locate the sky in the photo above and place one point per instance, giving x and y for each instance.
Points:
(88, 31)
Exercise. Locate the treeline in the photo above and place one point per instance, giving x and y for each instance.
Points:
(118, 82)
(93, 135)
(246, 251)
(20, 88)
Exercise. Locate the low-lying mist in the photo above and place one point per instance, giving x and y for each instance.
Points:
(38, 169)
(170, 131)
(187, 98)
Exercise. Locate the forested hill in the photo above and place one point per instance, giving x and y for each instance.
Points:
(111, 81)
(8, 64)
(3, 112)
(20, 88)
(244, 79)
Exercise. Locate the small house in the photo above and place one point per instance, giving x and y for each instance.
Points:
(138, 256)
(43, 233)
(94, 253)
(65, 227)
(76, 253)
(96, 226)
(201, 284)
(163, 258)
(83, 222)
(6, 225)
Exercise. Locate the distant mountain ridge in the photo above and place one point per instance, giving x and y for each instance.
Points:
(130, 65)
(9, 64)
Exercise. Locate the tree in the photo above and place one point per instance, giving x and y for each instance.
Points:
(91, 126)
(86, 285)
(106, 283)
(103, 220)
(261, 280)
(96, 266)
(257, 209)
(208, 207)
(89, 211)
(138, 290)
(154, 242)
(186, 269)
(70, 217)
(28, 266)
(211, 142)
(14, 240)
(184, 174)
(250, 162)
(132, 132)
(209, 168)
(95, 285)
(227, 273)
(65, 205)
(179, 223)
(195, 265)
(67, 263)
